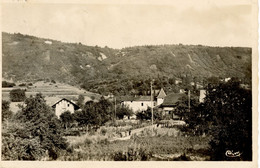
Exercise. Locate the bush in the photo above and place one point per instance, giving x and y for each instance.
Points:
(35, 133)
(17, 95)
(6, 113)
(88, 141)
(22, 84)
(103, 131)
(71, 133)
(133, 154)
(7, 84)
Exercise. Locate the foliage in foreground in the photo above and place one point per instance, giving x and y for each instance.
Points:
(226, 115)
(6, 112)
(166, 142)
(33, 134)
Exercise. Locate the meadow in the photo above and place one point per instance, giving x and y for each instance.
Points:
(160, 144)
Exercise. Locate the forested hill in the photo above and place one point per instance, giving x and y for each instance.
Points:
(28, 58)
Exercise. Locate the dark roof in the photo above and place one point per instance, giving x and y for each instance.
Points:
(161, 94)
(135, 98)
(171, 99)
(75, 106)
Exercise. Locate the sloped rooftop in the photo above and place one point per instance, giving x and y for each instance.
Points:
(171, 99)
(161, 94)
(135, 98)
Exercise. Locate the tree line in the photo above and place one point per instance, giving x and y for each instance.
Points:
(35, 132)
(225, 115)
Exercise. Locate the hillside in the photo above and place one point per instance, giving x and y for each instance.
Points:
(103, 70)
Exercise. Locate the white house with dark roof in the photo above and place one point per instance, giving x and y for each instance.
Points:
(141, 103)
(64, 105)
(137, 103)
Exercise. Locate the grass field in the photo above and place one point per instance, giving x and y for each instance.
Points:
(163, 144)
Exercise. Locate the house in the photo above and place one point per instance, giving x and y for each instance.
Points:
(178, 81)
(137, 103)
(227, 79)
(202, 96)
(141, 103)
(62, 105)
(199, 86)
(160, 97)
(182, 91)
(169, 105)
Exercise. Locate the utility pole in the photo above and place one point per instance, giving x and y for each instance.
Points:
(152, 100)
(115, 109)
(189, 99)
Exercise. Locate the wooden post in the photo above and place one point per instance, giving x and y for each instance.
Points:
(115, 109)
(152, 100)
(189, 99)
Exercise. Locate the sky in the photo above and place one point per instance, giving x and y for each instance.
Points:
(123, 23)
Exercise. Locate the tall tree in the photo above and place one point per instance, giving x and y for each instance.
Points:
(80, 101)
(228, 108)
(66, 118)
(226, 116)
(38, 124)
(95, 113)
(122, 111)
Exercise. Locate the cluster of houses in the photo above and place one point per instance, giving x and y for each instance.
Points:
(166, 104)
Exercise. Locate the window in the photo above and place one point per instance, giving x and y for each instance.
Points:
(142, 104)
(68, 105)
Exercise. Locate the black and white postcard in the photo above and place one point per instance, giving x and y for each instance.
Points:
(129, 83)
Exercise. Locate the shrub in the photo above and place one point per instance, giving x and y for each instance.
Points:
(7, 84)
(88, 141)
(103, 131)
(183, 157)
(22, 84)
(6, 113)
(17, 95)
(132, 154)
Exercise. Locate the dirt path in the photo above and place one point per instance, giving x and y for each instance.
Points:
(135, 131)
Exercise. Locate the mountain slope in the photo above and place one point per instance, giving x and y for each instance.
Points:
(28, 58)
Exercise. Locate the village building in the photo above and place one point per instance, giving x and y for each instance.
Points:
(192, 83)
(60, 105)
(160, 97)
(199, 86)
(137, 103)
(227, 79)
(169, 104)
(182, 91)
(178, 81)
(202, 96)
(141, 103)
